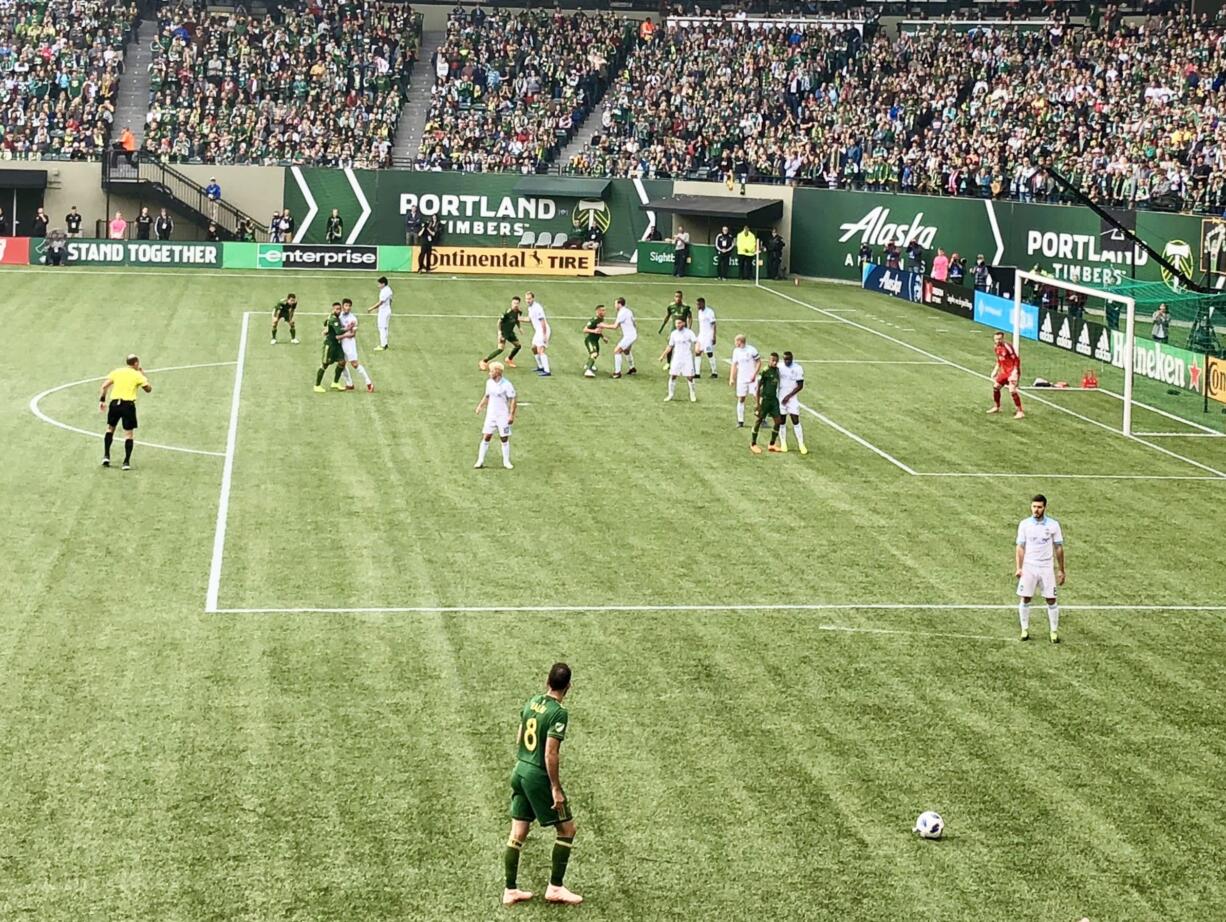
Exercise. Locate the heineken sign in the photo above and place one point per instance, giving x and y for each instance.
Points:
(1169, 364)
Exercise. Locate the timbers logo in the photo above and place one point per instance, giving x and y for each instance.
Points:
(1178, 254)
(589, 214)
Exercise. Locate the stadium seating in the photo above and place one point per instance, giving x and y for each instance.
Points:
(60, 63)
(510, 88)
(321, 83)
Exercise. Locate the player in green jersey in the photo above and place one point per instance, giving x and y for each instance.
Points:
(332, 354)
(508, 332)
(768, 404)
(284, 310)
(593, 336)
(676, 308)
(536, 791)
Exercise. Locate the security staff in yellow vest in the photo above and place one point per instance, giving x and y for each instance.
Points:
(123, 384)
(746, 252)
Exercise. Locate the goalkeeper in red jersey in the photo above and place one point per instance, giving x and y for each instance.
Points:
(1005, 374)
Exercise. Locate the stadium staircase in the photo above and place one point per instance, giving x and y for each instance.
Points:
(132, 100)
(165, 187)
(417, 103)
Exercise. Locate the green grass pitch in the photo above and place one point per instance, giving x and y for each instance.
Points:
(732, 755)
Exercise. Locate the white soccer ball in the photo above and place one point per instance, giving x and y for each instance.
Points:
(930, 825)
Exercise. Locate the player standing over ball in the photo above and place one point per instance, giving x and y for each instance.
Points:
(284, 310)
(508, 332)
(624, 321)
(499, 404)
(767, 406)
(1007, 370)
(536, 789)
(384, 307)
(540, 333)
(593, 336)
(332, 354)
(123, 385)
(1039, 540)
(791, 383)
(706, 338)
(680, 355)
(349, 345)
(746, 365)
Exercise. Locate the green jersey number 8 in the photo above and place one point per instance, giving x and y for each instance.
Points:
(530, 734)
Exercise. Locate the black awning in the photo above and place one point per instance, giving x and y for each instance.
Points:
(23, 179)
(563, 187)
(757, 212)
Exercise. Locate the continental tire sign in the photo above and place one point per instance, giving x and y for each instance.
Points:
(500, 261)
(1215, 378)
(310, 256)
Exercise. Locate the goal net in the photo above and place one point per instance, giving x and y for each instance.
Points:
(1143, 343)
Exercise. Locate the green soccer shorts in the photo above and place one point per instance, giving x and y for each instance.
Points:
(770, 409)
(532, 799)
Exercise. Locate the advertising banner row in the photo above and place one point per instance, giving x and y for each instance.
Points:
(1073, 244)
(1168, 364)
(300, 256)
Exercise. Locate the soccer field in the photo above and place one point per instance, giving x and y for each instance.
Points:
(275, 670)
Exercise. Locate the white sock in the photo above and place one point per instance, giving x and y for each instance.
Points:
(1023, 611)
(690, 382)
(617, 363)
(740, 411)
(348, 377)
(1053, 617)
(506, 452)
(800, 433)
(537, 356)
(672, 386)
(545, 362)
(630, 359)
(711, 359)
(362, 372)
(485, 446)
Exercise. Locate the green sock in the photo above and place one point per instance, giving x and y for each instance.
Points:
(756, 427)
(775, 435)
(493, 355)
(340, 367)
(514, 352)
(561, 857)
(319, 377)
(591, 364)
(293, 334)
(510, 862)
(274, 332)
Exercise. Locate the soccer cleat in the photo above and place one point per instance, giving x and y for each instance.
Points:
(562, 895)
(128, 467)
(588, 373)
(106, 462)
(668, 398)
(483, 365)
(616, 374)
(1019, 415)
(1055, 638)
(756, 449)
(294, 341)
(632, 371)
(803, 449)
(479, 465)
(384, 347)
(740, 425)
(714, 375)
(546, 374)
(348, 387)
(319, 389)
(508, 465)
(274, 341)
(510, 897)
(992, 410)
(337, 386)
(783, 447)
(1025, 635)
(370, 387)
(775, 448)
(511, 364)
(693, 397)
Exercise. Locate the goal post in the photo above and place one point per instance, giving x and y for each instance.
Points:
(1128, 307)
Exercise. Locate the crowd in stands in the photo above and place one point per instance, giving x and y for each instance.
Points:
(315, 82)
(511, 87)
(60, 63)
(1130, 114)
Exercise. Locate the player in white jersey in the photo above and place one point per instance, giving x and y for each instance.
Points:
(746, 363)
(349, 345)
(706, 337)
(791, 383)
(681, 349)
(1040, 564)
(540, 333)
(384, 307)
(499, 403)
(624, 321)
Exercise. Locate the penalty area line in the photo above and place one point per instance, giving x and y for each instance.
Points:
(765, 607)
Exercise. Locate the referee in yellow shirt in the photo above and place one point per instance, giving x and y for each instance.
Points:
(123, 383)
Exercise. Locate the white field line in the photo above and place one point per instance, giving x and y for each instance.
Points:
(1145, 406)
(800, 607)
(882, 453)
(227, 473)
(1208, 477)
(866, 361)
(37, 411)
(969, 371)
(847, 629)
(493, 318)
(1182, 435)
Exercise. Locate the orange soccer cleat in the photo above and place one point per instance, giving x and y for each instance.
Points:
(511, 364)
(756, 449)
(775, 448)
(562, 895)
(511, 897)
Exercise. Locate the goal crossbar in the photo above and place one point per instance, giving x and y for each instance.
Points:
(1130, 314)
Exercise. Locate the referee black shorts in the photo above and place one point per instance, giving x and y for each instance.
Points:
(121, 414)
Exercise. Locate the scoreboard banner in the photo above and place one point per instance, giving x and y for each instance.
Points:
(503, 261)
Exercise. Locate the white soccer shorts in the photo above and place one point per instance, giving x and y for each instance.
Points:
(627, 342)
(706, 344)
(682, 364)
(1043, 580)
(497, 426)
(790, 407)
(746, 387)
(538, 341)
(350, 348)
